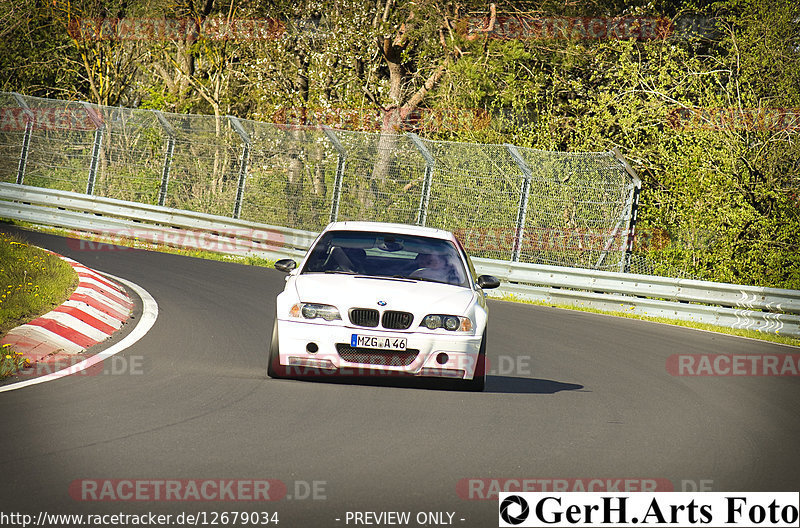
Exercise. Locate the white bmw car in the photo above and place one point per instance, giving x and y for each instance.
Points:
(382, 299)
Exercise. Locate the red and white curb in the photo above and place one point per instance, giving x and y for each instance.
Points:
(79, 364)
(96, 309)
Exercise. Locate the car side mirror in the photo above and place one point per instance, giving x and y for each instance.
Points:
(487, 282)
(285, 265)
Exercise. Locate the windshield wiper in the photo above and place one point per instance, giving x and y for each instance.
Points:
(343, 272)
(426, 280)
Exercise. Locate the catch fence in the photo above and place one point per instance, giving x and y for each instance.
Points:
(504, 202)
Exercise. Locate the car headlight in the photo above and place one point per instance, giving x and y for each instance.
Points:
(313, 310)
(448, 322)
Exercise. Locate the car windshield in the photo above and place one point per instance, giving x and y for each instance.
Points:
(387, 255)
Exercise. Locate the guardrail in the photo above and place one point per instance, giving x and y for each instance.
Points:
(150, 223)
(769, 310)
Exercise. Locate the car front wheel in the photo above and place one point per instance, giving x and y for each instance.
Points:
(478, 381)
(274, 368)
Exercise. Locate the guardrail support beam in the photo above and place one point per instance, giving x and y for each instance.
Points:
(425, 195)
(30, 120)
(340, 161)
(98, 142)
(162, 194)
(609, 242)
(523, 200)
(632, 208)
(243, 161)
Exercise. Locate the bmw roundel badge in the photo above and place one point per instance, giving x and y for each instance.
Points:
(381, 303)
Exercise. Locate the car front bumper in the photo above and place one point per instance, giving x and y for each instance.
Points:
(437, 354)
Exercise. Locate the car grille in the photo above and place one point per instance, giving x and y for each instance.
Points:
(376, 356)
(364, 317)
(391, 319)
(396, 320)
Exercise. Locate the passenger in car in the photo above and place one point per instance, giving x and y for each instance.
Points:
(346, 259)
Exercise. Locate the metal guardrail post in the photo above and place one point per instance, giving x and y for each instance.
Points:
(237, 126)
(162, 195)
(337, 183)
(30, 120)
(425, 196)
(632, 207)
(523, 200)
(100, 127)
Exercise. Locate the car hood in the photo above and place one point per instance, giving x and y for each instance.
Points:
(349, 291)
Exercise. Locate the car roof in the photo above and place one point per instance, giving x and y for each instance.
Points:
(385, 227)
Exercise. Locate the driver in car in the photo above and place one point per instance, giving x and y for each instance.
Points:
(434, 267)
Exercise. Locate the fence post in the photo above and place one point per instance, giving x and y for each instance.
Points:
(631, 210)
(162, 195)
(337, 184)
(30, 119)
(425, 197)
(237, 126)
(98, 141)
(523, 200)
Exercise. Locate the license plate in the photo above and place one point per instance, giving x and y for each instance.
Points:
(385, 343)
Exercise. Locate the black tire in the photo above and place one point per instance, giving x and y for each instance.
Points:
(274, 368)
(478, 381)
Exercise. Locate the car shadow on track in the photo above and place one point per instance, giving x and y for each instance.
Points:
(511, 385)
(494, 384)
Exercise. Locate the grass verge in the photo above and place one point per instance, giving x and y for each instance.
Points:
(11, 362)
(32, 282)
(752, 334)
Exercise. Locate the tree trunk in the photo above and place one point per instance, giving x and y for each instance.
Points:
(319, 188)
(294, 180)
(396, 113)
(294, 173)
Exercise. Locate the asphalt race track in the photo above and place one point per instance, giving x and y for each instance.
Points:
(574, 396)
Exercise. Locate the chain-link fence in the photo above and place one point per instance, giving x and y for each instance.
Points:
(504, 202)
